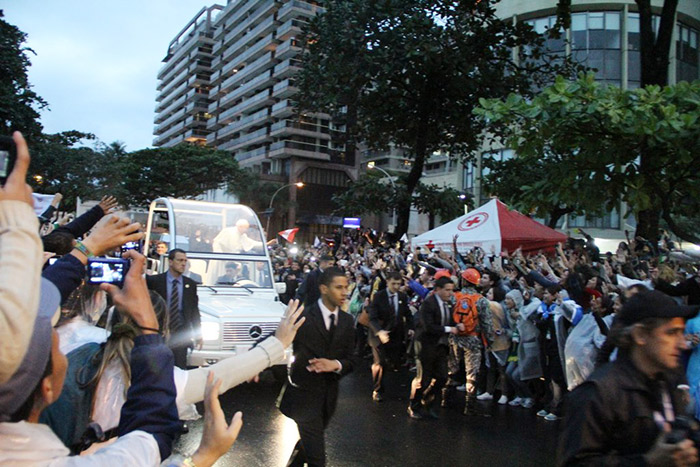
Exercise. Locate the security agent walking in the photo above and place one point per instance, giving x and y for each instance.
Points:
(434, 326)
(624, 412)
(180, 295)
(390, 320)
(323, 350)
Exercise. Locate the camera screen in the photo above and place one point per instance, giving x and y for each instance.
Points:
(103, 271)
(4, 157)
(131, 246)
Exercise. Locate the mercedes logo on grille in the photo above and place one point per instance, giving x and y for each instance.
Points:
(255, 331)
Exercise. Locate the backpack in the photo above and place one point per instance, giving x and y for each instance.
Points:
(465, 312)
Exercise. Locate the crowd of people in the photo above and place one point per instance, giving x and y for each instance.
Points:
(94, 374)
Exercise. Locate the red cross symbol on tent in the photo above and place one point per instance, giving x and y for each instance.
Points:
(473, 221)
(430, 245)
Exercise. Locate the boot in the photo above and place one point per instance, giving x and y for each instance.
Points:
(445, 396)
(472, 410)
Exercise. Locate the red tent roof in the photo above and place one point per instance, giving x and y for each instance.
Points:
(519, 230)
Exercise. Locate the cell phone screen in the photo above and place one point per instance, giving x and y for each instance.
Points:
(8, 153)
(107, 270)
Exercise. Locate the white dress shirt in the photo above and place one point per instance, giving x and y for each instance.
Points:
(442, 306)
(326, 313)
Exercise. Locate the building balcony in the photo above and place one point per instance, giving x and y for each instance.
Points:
(289, 127)
(284, 149)
(257, 66)
(288, 49)
(180, 114)
(252, 36)
(284, 89)
(251, 54)
(287, 68)
(297, 8)
(242, 156)
(291, 28)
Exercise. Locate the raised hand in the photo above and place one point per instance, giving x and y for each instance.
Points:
(218, 436)
(290, 324)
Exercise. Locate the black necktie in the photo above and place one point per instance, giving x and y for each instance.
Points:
(444, 314)
(176, 322)
(395, 305)
(331, 330)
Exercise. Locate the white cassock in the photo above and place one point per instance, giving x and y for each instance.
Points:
(230, 240)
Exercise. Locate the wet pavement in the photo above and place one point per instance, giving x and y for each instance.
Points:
(366, 433)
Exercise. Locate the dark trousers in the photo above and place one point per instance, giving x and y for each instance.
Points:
(311, 448)
(180, 354)
(431, 363)
(385, 356)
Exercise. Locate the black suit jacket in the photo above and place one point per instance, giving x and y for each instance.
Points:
(308, 291)
(382, 316)
(430, 329)
(190, 301)
(308, 395)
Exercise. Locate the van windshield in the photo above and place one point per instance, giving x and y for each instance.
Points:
(228, 273)
(217, 228)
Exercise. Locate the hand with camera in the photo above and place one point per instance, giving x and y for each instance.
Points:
(16, 188)
(110, 234)
(134, 298)
(664, 453)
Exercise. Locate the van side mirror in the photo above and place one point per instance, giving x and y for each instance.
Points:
(281, 287)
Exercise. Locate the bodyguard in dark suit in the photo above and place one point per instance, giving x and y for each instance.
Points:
(389, 321)
(431, 345)
(180, 295)
(323, 350)
(308, 291)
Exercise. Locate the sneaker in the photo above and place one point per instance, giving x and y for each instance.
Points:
(503, 400)
(515, 402)
(377, 397)
(527, 403)
(542, 413)
(484, 397)
(462, 388)
(551, 417)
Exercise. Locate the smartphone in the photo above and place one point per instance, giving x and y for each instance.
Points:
(107, 270)
(53, 260)
(8, 155)
(136, 245)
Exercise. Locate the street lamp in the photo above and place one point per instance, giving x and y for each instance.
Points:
(272, 200)
(370, 166)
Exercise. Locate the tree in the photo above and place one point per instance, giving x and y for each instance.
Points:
(655, 51)
(19, 105)
(62, 163)
(607, 144)
(370, 194)
(417, 70)
(182, 171)
(443, 202)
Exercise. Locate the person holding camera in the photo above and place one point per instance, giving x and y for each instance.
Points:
(631, 411)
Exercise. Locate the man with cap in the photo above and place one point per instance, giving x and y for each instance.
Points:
(628, 411)
(473, 310)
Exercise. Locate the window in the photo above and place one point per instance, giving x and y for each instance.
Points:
(595, 41)
(499, 155)
(687, 53)
(468, 182)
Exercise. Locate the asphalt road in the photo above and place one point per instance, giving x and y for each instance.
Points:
(366, 433)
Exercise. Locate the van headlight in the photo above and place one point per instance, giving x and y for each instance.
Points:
(210, 331)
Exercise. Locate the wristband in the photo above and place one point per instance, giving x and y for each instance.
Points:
(144, 328)
(80, 246)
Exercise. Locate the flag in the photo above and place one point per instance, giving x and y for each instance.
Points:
(317, 242)
(404, 238)
(288, 234)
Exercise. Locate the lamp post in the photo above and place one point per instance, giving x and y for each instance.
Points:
(370, 166)
(272, 200)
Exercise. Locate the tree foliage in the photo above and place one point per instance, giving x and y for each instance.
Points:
(371, 194)
(182, 171)
(586, 141)
(412, 72)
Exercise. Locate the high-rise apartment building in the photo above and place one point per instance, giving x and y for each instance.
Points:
(183, 90)
(251, 53)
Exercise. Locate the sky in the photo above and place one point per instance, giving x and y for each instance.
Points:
(97, 61)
